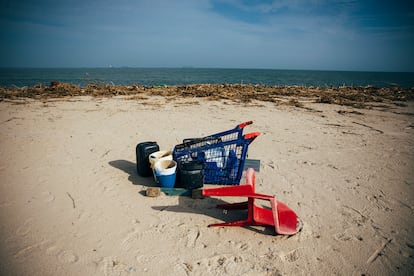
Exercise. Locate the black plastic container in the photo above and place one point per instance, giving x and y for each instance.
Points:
(191, 174)
(143, 151)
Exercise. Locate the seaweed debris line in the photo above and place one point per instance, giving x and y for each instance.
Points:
(358, 96)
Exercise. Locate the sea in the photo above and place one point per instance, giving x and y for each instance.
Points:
(20, 77)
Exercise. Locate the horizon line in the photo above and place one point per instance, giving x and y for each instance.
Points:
(196, 67)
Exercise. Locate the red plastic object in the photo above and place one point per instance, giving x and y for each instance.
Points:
(241, 190)
(251, 136)
(286, 220)
(280, 216)
(242, 125)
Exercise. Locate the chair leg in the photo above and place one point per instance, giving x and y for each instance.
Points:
(280, 216)
(234, 206)
(256, 216)
(232, 223)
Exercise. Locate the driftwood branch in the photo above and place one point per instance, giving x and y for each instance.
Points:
(73, 200)
(378, 251)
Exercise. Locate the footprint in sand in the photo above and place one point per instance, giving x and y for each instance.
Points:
(27, 251)
(183, 269)
(64, 256)
(52, 250)
(109, 190)
(239, 246)
(112, 266)
(25, 228)
(353, 216)
(6, 202)
(292, 256)
(128, 243)
(379, 202)
(67, 257)
(145, 258)
(344, 236)
(222, 264)
(48, 197)
(135, 235)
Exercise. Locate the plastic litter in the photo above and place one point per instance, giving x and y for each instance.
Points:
(280, 216)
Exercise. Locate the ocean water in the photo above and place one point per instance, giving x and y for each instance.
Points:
(181, 76)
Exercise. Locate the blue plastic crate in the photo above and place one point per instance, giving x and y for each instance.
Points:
(224, 160)
(228, 135)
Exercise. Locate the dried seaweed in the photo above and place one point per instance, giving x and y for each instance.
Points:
(358, 96)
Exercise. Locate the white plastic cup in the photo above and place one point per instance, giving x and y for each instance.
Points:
(159, 155)
(165, 167)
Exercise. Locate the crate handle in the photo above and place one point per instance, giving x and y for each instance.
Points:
(242, 125)
(251, 136)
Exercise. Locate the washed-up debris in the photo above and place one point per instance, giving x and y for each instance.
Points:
(356, 96)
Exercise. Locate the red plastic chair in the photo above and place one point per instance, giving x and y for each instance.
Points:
(281, 217)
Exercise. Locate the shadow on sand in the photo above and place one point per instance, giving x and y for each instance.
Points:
(205, 206)
(131, 169)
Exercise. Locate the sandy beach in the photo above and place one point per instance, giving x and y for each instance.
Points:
(72, 203)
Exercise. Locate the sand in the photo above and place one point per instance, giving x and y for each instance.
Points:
(72, 203)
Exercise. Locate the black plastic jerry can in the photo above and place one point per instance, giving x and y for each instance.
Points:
(143, 151)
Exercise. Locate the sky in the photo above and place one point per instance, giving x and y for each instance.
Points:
(346, 35)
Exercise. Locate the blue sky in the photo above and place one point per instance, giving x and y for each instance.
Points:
(285, 34)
